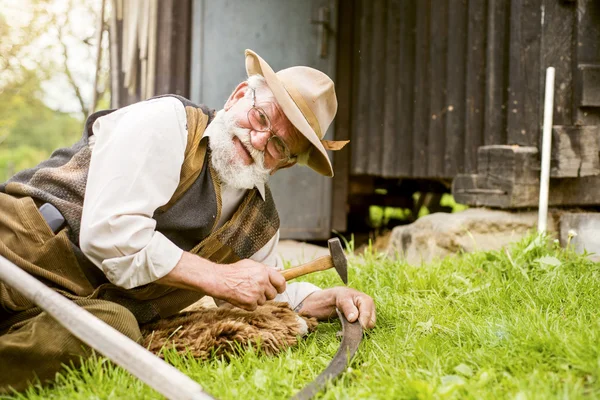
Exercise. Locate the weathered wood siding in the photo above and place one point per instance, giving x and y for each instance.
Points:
(173, 46)
(437, 79)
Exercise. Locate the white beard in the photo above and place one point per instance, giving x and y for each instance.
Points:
(225, 158)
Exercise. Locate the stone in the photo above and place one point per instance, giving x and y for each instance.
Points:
(438, 235)
(584, 232)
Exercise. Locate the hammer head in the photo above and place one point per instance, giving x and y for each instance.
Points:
(338, 258)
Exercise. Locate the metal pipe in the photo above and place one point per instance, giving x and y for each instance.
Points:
(546, 149)
(102, 337)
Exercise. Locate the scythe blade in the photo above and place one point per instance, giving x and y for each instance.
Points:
(352, 336)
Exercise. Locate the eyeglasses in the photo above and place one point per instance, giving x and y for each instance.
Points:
(260, 122)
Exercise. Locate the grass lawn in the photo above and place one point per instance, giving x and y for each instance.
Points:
(518, 324)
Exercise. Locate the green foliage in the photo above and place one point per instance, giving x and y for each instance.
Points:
(448, 201)
(29, 130)
(517, 323)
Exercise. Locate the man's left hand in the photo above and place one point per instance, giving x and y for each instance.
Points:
(352, 303)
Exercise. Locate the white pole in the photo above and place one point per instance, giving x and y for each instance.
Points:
(546, 148)
(159, 375)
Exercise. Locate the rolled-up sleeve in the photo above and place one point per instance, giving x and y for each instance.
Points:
(135, 168)
(295, 292)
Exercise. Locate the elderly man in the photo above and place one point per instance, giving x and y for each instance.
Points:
(158, 204)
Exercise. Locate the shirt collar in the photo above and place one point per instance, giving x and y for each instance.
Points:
(207, 132)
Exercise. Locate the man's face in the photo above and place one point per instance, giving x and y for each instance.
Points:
(239, 152)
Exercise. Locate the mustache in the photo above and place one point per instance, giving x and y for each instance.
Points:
(258, 156)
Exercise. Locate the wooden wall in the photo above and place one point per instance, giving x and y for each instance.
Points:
(173, 54)
(436, 79)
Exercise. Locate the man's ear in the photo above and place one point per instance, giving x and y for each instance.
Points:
(284, 167)
(238, 94)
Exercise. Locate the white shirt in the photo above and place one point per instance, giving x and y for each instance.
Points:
(137, 154)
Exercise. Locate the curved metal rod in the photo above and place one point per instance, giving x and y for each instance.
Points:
(352, 336)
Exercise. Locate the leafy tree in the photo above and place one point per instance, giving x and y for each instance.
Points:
(33, 49)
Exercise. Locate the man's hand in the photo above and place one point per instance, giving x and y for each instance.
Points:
(352, 303)
(246, 284)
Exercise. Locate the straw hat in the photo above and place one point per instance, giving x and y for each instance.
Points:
(307, 98)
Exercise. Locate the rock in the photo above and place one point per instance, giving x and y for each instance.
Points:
(438, 235)
(583, 229)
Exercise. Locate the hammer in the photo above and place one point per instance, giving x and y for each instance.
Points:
(336, 259)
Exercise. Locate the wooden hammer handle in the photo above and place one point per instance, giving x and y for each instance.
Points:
(320, 264)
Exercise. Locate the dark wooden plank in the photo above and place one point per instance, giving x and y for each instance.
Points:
(454, 155)
(164, 51)
(475, 83)
(361, 128)
(589, 85)
(497, 47)
(438, 57)
(390, 119)
(557, 51)
(173, 47)
(575, 151)
(377, 81)
(588, 54)
(421, 89)
(405, 89)
(182, 43)
(588, 32)
(343, 121)
(525, 94)
(575, 191)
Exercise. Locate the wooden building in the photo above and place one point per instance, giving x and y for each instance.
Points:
(435, 95)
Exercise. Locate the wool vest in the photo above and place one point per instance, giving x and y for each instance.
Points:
(188, 219)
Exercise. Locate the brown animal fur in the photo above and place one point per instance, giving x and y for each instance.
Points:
(214, 332)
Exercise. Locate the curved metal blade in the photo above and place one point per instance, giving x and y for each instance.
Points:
(352, 336)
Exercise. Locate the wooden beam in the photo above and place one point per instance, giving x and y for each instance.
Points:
(508, 177)
(575, 151)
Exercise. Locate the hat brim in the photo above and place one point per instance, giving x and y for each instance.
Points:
(318, 159)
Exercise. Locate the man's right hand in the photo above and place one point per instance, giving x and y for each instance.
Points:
(246, 284)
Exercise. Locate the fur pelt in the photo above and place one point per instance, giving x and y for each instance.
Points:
(215, 332)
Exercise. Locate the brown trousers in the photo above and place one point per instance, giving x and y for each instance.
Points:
(32, 344)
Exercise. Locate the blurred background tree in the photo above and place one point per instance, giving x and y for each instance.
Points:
(47, 69)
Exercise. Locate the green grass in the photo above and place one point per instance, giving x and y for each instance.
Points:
(516, 324)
